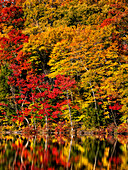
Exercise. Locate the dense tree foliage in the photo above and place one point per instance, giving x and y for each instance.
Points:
(64, 60)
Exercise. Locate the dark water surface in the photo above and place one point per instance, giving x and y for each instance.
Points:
(58, 152)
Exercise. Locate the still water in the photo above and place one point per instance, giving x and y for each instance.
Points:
(59, 152)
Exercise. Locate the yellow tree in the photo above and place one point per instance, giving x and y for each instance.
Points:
(93, 56)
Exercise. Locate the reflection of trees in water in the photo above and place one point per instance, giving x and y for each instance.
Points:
(66, 153)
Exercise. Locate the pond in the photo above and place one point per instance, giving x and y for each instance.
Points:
(59, 152)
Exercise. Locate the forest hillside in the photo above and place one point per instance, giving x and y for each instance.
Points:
(63, 61)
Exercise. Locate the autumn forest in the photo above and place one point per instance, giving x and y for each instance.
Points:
(64, 63)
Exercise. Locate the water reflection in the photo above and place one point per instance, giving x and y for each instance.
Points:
(58, 152)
